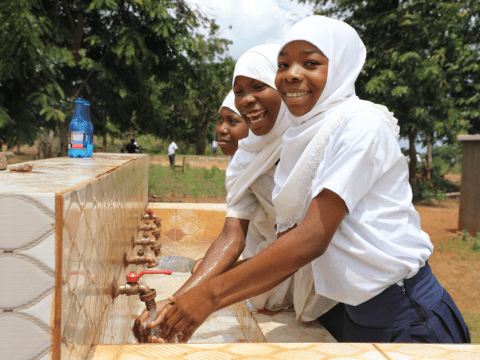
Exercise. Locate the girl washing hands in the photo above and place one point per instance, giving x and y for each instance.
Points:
(249, 184)
(343, 205)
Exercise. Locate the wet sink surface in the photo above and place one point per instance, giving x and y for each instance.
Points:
(222, 326)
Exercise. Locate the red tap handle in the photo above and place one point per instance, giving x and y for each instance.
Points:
(134, 277)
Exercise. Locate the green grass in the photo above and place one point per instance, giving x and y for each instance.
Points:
(465, 245)
(163, 181)
(473, 323)
(151, 145)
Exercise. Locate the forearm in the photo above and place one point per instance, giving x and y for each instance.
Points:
(290, 252)
(220, 257)
(251, 292)
(271, 266)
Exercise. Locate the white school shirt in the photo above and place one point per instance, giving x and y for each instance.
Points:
(298, 290)
(379, 242)
(171, 148)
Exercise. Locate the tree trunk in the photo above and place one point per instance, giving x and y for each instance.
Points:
(412, 166)
(63, 134)
(104, 141)
(201, 129)
(428, 160)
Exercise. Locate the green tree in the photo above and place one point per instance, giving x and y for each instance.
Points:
(422, 63)
(121, 55)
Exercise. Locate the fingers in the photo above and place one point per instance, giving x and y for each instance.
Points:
(177, 330)
(140, 332)
(145, 316)
(187, 333)
(196, 265)
(161, 313)
(154, 339)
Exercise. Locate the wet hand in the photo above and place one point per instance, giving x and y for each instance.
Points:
(145, 317)
(140, 332)
(187, 314)
(196, 265)
(143, 333)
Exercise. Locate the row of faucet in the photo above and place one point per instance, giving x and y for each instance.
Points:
(146, 241)
(132, 287)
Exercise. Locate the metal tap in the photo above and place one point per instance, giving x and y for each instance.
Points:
(147, 227)
(132, 287)
(155, 245)
(140, 259)
(151, 216)
(145, 241)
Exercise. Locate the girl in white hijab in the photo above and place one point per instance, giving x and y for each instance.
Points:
(249, 184)
(343, 159)
(231, 127)
(343, 205)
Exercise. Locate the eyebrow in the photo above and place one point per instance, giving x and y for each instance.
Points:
(305, 52)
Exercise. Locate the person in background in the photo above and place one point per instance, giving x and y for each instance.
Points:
(172, 148)
(122, 151)
(132, 147)
(214, 147)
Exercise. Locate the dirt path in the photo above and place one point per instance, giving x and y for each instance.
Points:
(457, 271)
(206, 163)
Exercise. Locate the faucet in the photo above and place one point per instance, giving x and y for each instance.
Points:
(145, 241)
(151, 216)
(156, 230)
(148, 227)
(140, 259)
(155, 245)
(132, 287)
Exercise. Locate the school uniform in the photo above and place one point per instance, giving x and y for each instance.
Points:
(249, 184)
(377, 261)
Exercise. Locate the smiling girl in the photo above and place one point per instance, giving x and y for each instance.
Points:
(249, 183)
(343, 204)
(231, 127)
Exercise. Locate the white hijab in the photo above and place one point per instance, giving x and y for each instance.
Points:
(256, 154)
(304, 142)
(229, 102)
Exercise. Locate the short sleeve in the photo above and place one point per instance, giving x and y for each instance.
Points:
(245, 207)
(354, 159)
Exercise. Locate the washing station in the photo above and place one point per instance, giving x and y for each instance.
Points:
(76, 247)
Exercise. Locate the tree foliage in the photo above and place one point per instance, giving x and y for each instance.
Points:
(133, 59)
(422, 62)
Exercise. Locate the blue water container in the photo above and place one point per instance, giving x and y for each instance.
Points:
(90, 128)
(78, 132)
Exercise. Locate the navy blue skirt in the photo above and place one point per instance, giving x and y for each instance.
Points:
(421, 311)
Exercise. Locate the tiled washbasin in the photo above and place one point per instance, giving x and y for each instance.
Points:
(188, 230)
(65, 227)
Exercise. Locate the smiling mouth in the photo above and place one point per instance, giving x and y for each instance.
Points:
(256, 116)
(296, 94)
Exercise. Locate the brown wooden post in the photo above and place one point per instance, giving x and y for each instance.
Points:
(469, 216)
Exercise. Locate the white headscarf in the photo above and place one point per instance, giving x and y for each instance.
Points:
(229, 102)
(305, 140)
(256, 154)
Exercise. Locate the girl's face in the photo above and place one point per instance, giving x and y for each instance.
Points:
(258, 103)
(230, 129)
(301, 76)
